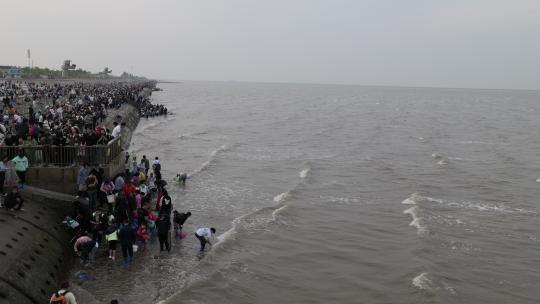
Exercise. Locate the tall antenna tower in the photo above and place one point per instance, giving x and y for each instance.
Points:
(29, 57)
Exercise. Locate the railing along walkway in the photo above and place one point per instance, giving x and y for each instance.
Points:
(63, 156)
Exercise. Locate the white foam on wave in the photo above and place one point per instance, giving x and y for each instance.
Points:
(304, 173)
(410, 200)
(442, 162)
(281, 197)
(200, 169)
(150, 126)
(501, 208)
(229, 234)
(278, 211)
(216, 151)
(340, 200)
(225, 236)
(207, 163)
(425, 282)
(417, 221)
(478, 142)
(479, 206)
(436, 155)
(422, 282)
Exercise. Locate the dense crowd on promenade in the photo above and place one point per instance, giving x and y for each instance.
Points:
(72, 114)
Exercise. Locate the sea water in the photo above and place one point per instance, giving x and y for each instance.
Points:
(341, 194)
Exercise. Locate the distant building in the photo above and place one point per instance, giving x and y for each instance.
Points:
(7, 71)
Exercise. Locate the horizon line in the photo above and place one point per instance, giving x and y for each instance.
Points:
(345, 84)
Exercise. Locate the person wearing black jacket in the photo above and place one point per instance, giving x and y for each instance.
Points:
(163, 225)
(179, 218)
(14, 198)
(126, 237)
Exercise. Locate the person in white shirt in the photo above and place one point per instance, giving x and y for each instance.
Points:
(204, 235)
(116, 130)
(17, 118)
(60, 112)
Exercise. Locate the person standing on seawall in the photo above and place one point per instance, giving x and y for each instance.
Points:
(21, 165)
(117, 130)
(84, 171)
(3, 169)
(91, 190)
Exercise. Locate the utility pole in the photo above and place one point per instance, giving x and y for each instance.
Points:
(29, 57)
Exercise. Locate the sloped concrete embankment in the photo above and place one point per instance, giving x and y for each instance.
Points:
(34, 248)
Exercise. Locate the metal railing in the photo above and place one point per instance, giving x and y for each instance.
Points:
(62, 156)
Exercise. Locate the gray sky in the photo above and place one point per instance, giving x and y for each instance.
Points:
(447, 43)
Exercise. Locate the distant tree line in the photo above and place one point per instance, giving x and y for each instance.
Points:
(37, 72)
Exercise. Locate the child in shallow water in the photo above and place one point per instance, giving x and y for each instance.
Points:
(181, 178)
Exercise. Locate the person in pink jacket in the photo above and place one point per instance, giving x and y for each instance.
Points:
(142, 236)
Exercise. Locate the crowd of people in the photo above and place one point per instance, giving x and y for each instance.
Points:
(72, 114)
(125, 211)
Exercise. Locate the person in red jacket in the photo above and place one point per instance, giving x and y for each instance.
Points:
(129, 189)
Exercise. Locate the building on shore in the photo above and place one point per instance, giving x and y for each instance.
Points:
(7, 71)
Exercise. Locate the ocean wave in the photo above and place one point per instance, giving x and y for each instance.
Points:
(442, 161)
(501, 208)
(412, 200)
(415, 199)
(193, 276)
(189, 136)
(304, 172)
(150, 126)
(216, 151)
(423, 282)
(281, 197)
(284, 195)
(278, 211)
(240, 223)
(477, 142)
(436, 156)
(426, 283)
(207, 163)
(417, 221)
(340, 200)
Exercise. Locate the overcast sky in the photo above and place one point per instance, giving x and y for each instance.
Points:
(445, 43)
